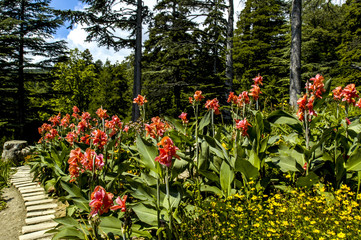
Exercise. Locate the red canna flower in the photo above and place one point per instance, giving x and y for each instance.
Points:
(258, 80)
(213, 104)
(102, 113)
(243, 98)
(74, 160)
(101, 201)
(309, 106)
(337, 93)
(121, 204)
(198, 96)
(86, 116)
(301, 107)
(76, 109)
(349, 93)
(242, 125)
(167, 152)
(65, 121)
(52, 134)
(89, 157)
(99, 138)
(255, 92)
(71, 137)
(126, 128)
(317, 88)
(115, 125)
(305, 166)
(156, 128)
(232, 98)
(140, 100)
(85, 139)
(44, 128)
(183, 116)
(55, 120)
(190, 100)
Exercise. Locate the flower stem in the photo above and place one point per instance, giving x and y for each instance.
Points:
(169, 206)
(197, 136)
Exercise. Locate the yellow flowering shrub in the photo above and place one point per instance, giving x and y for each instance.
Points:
(300, 214)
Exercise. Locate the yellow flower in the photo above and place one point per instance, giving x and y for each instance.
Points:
(341, 235)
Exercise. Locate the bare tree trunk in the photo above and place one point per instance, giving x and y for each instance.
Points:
(229, 57)
(137, 86)
(21, 90)
(295, 66)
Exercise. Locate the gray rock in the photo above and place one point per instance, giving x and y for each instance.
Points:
(15, 151)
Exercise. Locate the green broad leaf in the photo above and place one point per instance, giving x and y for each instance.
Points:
(206, 120)
(111, 224)
(212, 189)
(81, 203)
(69, 233)
(176, 123)
(137, 232)
(147, 214)
(282, 117)
(226, 178)
(287, 163)
(210, 175)
(354, 161)
(204, 155)
(68, 221)
(214, 147)
(254, 159)
(174, 201)
(247, 169)
(307, 181)
(72, 189)
(148, 152)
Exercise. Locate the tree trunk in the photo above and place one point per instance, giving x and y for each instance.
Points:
(21, 90)
(295, 65)
(229, 57)
(137, 86)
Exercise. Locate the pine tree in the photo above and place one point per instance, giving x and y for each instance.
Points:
(104, 18)
(350, 48)
(259, 41)
(25, 27)
(170, 56)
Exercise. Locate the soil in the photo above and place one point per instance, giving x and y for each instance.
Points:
(12, 218)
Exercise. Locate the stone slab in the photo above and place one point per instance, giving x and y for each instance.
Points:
(25, 184)
(40, 213)
(31, 194)
(41, 207)
(38, 202)
(29, 187)
(39, 227)
(22, 179)
(39, 219)
(35, 234)
(35, 198)
(31, 190)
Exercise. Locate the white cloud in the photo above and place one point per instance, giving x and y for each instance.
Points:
(76, 39)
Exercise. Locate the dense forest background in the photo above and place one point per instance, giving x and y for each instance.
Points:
(186, 51)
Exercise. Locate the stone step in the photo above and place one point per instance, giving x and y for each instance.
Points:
(21, 175)
(31, 194)
(40, 213)
(29, 187)
(35, 235)
(39, 219)
(25, 184)
(24, 179)
(39, 227)
(31, 190)
(37, 202)
(41, 207)
(35, 198)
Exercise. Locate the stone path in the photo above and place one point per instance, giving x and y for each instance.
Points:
(40, 209)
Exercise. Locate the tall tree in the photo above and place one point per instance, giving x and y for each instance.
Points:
(295, 65)
(105, 19)
(229, 54)
(25, 27)
(170, 55)
(259, 43)
(350, 48)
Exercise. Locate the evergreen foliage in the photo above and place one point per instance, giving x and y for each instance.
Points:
(26, 57)
(259, 43)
